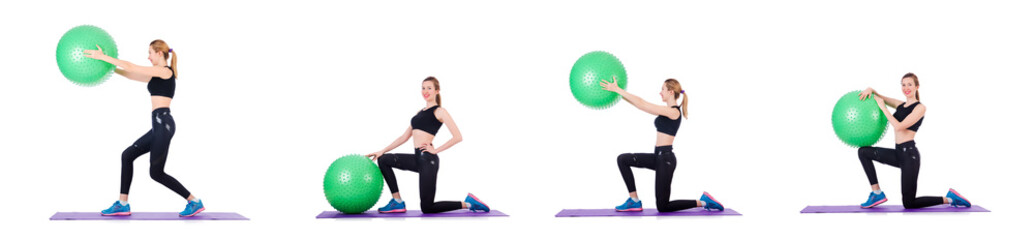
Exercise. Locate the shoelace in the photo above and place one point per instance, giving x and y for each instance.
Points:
(628, 204)
(954, 202)
(872, 198)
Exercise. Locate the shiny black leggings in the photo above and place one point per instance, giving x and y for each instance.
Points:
(663, 162)
(906, 157)
(156, 141)
(426, 165)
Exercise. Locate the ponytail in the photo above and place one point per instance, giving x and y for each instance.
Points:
(674, 86)
(174, 72)
(685, 100)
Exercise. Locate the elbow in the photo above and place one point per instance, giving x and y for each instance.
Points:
(900, 127)
(457, 139)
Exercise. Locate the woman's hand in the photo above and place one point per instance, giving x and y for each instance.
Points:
(865, 93)
(95, 54)
(610, 86)
(879, 101)
(429, 149)
(375, 155)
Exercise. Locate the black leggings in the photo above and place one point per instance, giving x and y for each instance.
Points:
(663, 162)
(157, 142)
(906, 157)
(426, 165)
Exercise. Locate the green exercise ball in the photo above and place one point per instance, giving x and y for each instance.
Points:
(75, 65)
(587, 73)
(353, 184)
(858, 123)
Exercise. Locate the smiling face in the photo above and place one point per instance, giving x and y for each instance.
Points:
(909, 87)
(428, 90)
(154, 56)
(666, 93)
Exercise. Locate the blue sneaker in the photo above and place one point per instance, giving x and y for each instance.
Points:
(630, 206)
(875, 199)
(957, 200)
(193, 208)
(710, 204)
(117, 209)
(475, 204)
(393, 207)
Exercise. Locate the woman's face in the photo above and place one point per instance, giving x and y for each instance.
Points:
(154, 56)
(428, 91)
(665, 92)
(908, 87)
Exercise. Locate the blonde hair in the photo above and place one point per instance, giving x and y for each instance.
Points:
(437, 96)
(674, 86)
(160, 46)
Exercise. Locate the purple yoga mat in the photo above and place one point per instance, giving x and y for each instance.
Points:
(888, 208)
(411, 213)
(645, 212)
(147, 216)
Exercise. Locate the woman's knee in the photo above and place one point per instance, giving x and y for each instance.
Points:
(626, 159)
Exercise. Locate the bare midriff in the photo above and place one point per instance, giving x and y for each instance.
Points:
(160, 102)
(421, 138)
(663, 139)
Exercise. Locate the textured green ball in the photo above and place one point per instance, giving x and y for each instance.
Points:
(353, 184)
(75, 65)
(587, 73)
(859, 123)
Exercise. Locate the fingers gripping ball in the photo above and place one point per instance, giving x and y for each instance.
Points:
(75, 65)
(859, 123)
(587, 73)
(353, 184)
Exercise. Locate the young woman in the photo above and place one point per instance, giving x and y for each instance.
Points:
(662, 160)
(906, 119)
(161, 82)
(424, 160)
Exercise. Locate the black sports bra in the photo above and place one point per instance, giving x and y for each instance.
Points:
(666, 125)
(162, 87)
(902, 112)
(425, 121)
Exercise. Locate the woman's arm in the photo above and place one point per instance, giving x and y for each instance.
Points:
(130, 68)
(889, 101)
(638, 102)
(398, 141)
(133, 76)
(444, 117)
(909, 120)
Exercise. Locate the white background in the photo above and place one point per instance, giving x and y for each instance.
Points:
(270, 94)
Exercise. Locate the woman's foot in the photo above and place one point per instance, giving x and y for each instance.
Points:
(475, 204)
(710, 204)
(630, 206)
(117, 209)
(193, 208)
(393, 207)
(875, 199)
(957, 200)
